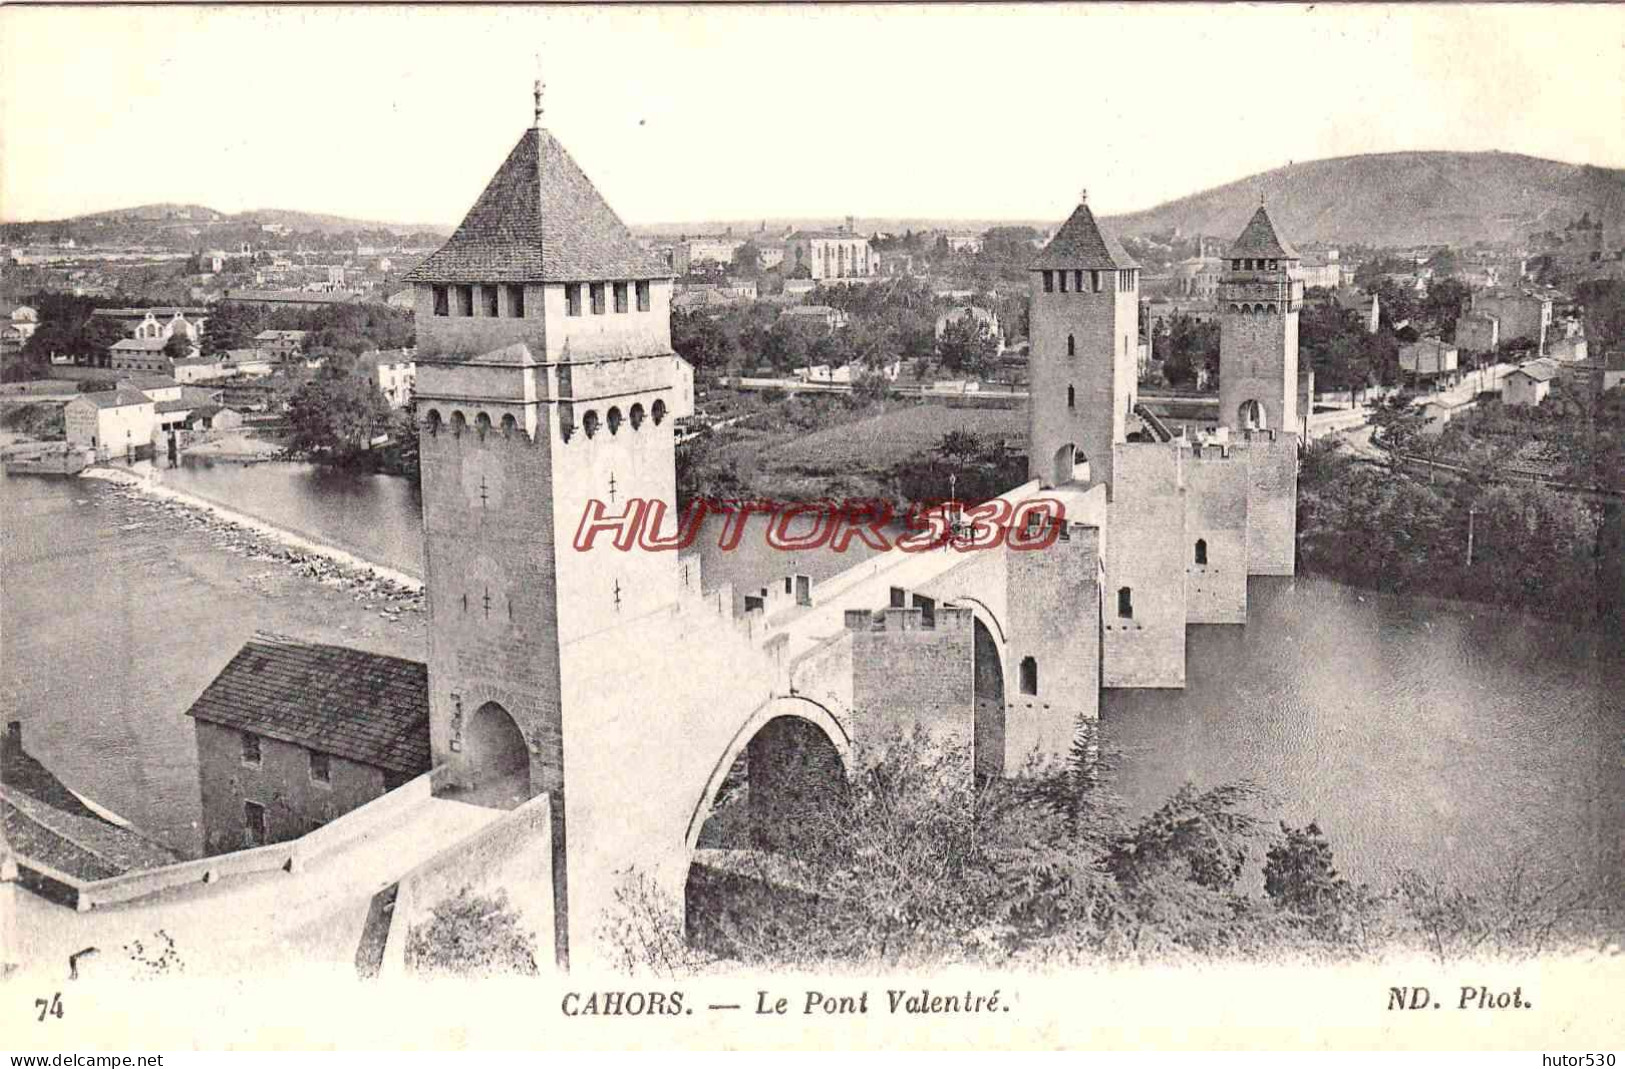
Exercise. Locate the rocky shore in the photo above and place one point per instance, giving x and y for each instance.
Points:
(392, 594)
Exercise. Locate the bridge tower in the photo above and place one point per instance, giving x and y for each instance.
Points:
(1259, 299)
(546, 383)
(1085, 332)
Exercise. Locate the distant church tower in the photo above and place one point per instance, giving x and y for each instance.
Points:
(1259, 299)
(546, 380)
(1083, 360)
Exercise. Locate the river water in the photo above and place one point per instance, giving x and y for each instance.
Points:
(1453, 740)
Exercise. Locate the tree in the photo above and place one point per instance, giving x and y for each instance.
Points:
(700, 339)
(335, 416)
(1447, 299)
(178, 346)
(967, 345)
(472, 935)
(231, 325)
(1188, 349)
(747, 260)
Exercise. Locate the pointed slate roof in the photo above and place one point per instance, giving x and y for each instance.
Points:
(540, 219)
(1261, 240)
(1081, 243)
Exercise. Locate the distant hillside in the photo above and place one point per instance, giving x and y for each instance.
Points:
(193, 226)
(1402, 198)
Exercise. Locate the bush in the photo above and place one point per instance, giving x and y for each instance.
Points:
(472, 935)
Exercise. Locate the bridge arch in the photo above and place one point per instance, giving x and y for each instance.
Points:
(798, 729)
(496, 757)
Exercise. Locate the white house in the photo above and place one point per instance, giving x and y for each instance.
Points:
(1528, 384)
(111, 423)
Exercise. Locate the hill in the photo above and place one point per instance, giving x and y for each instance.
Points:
(1402, 198)
(189, 227)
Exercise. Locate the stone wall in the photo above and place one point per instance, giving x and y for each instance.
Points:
(906, 674)
(1272, 504)
(294, 803)
(1053, 598)
(1216, 491)
(1258, 361)
(1145, 645)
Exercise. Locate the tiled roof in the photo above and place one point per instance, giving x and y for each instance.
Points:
(1539, 370)
(540, 219)
(1259, 239)
(175, 406)
(149, 382)
(70, 841)
(124, 395)
(1080, 243)
(364, 707)
(141, 345)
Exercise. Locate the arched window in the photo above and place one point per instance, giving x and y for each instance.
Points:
(509, 425)
(1029, 676)
(1125, 603)
(482, 423)
(1071, 397)
(433, 421)
(1071, 345)
(1201, 551)
(657, 412)
(459, 423)
(636, 415)
(589, 423)
(614, 420)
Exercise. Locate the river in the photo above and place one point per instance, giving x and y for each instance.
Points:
(1456, 741)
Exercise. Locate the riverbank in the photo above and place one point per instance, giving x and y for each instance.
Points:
(260, 536)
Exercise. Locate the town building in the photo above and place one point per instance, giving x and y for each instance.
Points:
(158, 323)
(212, 417)
(1478, 332)
(284, 298)
(1567, 348)
(988, 321)
(21, 321)
(824, 255)
(1429, 360)
(963, 241)
(1196, 278)
(249, 363)
(281, 344)
(817, 314)
(111, 423)
(1595, 375)
(689, 254)
(1522, 313)
(292, 734)
(139, 354)
(395, 373)
(195, 369)
(1529, 383)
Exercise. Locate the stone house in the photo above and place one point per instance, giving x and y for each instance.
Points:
(292, 734)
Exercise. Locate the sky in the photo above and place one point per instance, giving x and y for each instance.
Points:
(401, 114)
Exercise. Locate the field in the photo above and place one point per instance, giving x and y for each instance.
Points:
(881, 442)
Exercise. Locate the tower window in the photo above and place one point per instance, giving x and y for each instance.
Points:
(597, 290)
(1096, 282)
(516, 302)
(1049, 281)
(1235, 265)
(620, 298)
(1125, 603)
(442, 306)
(1029, 676)
(643, 295)
(1071, 397)
(1062, 274)
(1201, 551)
(465, 301)
(321, 769)
(572, 299)
(657, 412)
(1272, 265)
(1077, 281)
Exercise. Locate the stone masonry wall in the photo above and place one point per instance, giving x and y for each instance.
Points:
(1272, 504)
(906, 675)
(1146, 556)
(1216, 492)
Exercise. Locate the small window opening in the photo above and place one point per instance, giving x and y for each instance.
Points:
(254, 823)
(1071, 397)
(441, 305)
(1029, 676)
(658, 412)
(1062, 275)
(321, 770)
(620, 298)
(636, 415)
(489, 293)
(1049, 281)
(613, 420)
(1125, 603)
(1071, 345)
(516, 302)
(642, 295)
(465, 301)
(251, 749)
(1201, 551)
(597, 291)
(572, 299)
